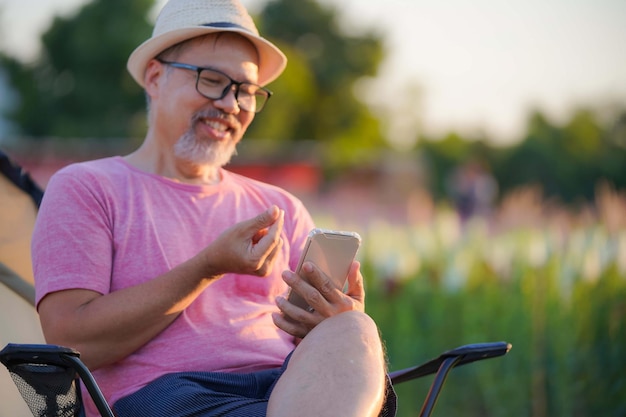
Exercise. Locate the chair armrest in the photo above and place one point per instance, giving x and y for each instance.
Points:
(50, 370)
(466, 354)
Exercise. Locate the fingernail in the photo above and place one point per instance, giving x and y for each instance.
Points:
(287, 277)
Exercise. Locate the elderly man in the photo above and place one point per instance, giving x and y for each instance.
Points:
(169, 273)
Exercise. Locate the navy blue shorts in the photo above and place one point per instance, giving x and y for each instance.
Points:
(213, 394)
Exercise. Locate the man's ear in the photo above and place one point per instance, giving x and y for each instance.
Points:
(152, 77)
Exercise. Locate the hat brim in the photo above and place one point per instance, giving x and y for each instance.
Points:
(272, 61)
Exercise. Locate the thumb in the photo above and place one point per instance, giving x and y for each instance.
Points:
(356, 289)
(261, 222)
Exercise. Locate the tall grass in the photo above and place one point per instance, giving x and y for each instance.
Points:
(548, 280)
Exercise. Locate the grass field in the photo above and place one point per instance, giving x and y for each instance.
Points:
(549, 280)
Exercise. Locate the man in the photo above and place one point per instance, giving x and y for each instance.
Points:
(169, 273)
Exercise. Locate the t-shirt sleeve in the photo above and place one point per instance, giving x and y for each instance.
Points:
(71, 245)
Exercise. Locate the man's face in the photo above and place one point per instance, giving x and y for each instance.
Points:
(204, 131)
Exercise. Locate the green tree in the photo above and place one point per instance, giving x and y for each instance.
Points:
(568, 161)
(79, 86)
(536, 159)
(315, 98)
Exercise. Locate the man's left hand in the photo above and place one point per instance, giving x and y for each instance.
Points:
(325, 299)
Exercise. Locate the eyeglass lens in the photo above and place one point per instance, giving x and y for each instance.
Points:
(215, 85)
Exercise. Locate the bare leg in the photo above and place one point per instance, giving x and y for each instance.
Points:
(338, 370)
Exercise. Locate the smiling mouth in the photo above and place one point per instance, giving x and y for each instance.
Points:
(217, 126)
(215, 129)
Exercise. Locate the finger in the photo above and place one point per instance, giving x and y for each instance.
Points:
(269, 239)
(323, 291)
(268, 217)
(276, 228)
(291, 327)
(270, 234)
(307, 292)
(294, 319)
(262, 224)
(321, 301)
(259, 235)
(356, 289)
(323, 295)
(268, 262)
(259, 224)
(275, 251)
(295, 313)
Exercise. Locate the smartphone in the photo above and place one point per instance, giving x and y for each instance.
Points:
(332, 251)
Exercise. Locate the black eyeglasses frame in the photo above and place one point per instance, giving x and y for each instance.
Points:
(228, 88)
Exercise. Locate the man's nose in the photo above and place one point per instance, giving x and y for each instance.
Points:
(229, 103)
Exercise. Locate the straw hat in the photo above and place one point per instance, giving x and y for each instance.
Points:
(180, 20)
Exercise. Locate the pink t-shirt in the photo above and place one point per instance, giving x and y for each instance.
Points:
(104, 226)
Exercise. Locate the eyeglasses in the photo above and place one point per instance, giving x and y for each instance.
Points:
(214, 85)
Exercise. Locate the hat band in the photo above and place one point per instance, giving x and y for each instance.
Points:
(223, 25)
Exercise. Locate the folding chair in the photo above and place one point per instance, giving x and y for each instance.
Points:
(48, 376)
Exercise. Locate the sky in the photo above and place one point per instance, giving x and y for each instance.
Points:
(475, 67)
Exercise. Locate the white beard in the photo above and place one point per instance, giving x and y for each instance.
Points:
(199, 152)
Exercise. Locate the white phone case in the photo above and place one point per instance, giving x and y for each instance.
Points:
(332, 251)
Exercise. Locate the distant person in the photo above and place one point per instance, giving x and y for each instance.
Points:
(473, 190)
(169, 273)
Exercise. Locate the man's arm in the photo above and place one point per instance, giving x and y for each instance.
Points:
(107, 328)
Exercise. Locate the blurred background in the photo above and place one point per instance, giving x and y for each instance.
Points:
(478, 147)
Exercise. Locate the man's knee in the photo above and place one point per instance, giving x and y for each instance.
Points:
(352, 328)
(356, 321)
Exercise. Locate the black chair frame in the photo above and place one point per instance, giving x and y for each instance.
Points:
(33, 363)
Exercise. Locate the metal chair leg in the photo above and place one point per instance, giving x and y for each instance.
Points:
(435, 387)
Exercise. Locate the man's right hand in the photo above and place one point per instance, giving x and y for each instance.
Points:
(249, 247)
